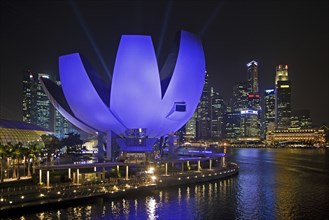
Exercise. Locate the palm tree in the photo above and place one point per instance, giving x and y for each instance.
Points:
(52, 145)
(2, 158)
(17, 155)
(34, 149)
(9, 151)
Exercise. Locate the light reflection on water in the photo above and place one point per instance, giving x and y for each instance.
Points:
(272, 184)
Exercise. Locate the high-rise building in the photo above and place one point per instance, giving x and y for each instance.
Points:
(269, 110)
(254, 101)
(36, 105)
(27, 95)
(281, 73)
(61, 125)
(249, 125)
(217, 114)
(232, 122)
(240, 96)
(190, 128)
(203, 122)
(253, 77)
(283, 97)
(301, 119)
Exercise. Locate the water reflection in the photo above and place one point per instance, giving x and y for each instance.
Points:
(271, 184)
(151, 205)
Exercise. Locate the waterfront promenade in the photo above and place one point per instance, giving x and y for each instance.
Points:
(25, 197)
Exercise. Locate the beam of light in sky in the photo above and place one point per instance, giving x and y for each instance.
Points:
(89, 37)
(211, 18)
(164, 26)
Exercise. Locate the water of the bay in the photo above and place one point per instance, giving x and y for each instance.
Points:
(271, 184)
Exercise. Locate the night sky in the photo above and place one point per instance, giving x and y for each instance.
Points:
(35, 33)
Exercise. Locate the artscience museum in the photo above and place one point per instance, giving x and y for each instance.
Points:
(142, 102)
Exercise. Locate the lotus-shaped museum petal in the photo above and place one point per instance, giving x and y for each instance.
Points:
(139, 96)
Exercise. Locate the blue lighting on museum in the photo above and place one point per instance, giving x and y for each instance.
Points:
(135, 100)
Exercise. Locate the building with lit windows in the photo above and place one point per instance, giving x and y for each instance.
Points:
(217, 115)
(203, 123)
(301, 119)
(283, 97)
(240, 96)
(295, 137)
(36, 105)
(232, 126)
(269, 110)
(253, 76)
(249, 125)
(190, 128)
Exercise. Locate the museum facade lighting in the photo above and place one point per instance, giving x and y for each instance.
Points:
(141, 103)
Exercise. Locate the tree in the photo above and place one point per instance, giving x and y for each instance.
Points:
(17, 155)
(52, 145)
(34, 150)
(2, 158)
(73, 143)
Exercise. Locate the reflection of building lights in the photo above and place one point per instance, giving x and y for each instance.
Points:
(150, 170)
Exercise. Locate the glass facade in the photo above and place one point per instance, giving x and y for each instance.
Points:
(269, 110)
(36, 105)
(19, 132)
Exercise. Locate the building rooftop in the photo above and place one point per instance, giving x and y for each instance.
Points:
(4, 123)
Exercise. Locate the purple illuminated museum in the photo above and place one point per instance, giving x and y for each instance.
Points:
(141, 103)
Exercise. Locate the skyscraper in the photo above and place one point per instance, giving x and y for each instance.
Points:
(27, 96)
(240, 96)
(253, 76)
(269, 110)
(283, 97)
(217, 114)
(232, 122)
(301, 119)
(36, 106)
(249, 125)
(203, 122)
(190, 128)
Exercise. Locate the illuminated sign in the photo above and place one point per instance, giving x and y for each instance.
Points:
(251, 95)
(269, 90)
(284, 86)
(249, 112)
(252, 62)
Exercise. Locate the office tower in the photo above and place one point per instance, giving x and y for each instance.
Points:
(36, 106)
(253, 76)
(254, 101)
(281, 73)
(232, 125)
(240, 96)
(190, 128)
(249, 125)
(203, 122)
(283, 97)
(217, 114)
(61, 125)
(269, 110)
(301, 119)
(27, 96)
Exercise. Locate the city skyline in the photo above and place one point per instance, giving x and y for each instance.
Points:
(233, 33)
